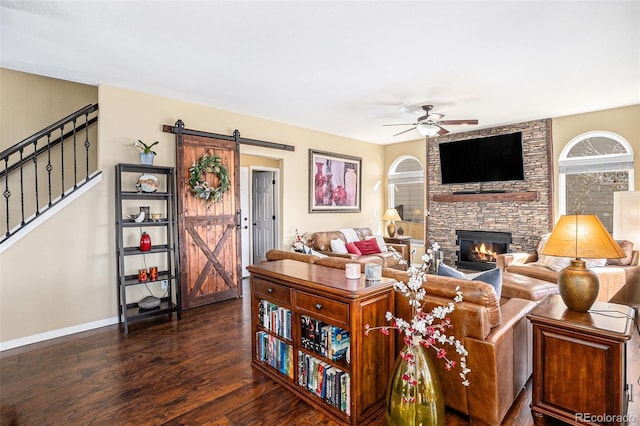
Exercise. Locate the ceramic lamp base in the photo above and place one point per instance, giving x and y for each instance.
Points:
(578, 286)
(391, 229)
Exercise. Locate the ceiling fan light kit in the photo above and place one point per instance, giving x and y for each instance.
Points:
(427, 130)
(430, 124)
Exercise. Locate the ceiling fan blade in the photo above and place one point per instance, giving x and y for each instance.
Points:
(442, 130)
(435, 117)
(405, 131)
(400, 124)
(458, 122)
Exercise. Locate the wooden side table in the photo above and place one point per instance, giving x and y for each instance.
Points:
(402, 239)
(579, 363)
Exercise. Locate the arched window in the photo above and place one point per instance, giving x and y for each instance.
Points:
(406, 194)
(592, 166)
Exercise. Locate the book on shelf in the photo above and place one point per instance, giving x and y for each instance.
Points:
(324, 380)
(275, 318)
(274, 352)
(325, 339)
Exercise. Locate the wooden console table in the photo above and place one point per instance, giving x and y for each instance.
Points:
(296, 294)
(579, 363)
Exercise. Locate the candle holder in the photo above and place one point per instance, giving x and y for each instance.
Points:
(153, 273)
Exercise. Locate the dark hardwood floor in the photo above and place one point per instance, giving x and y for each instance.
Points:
(190, 372)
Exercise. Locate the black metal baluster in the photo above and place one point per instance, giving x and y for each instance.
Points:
(22, 186)
(62, 188)
(35, 174)
(49, 167)
(75, 159)
(6, 192)
(86, 143)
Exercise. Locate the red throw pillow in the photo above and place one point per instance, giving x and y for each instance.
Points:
(351, 248)
(368, 246)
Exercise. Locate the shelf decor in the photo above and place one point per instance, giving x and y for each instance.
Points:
(146, 154)
(414, 396)
(200, 187)
(418, 401)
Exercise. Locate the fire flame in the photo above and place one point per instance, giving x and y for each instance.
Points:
(484, 254)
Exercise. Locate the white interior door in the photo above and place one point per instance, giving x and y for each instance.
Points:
(245, 209)
(263, 213)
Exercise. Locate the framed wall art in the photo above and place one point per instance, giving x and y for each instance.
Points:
(335, 182)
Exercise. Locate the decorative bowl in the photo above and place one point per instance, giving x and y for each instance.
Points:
(149, 302)
(147, 183)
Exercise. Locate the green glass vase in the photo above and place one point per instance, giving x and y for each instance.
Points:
(419, 404)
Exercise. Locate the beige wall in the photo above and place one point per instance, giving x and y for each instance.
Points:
(63, 274)
(29, 103)
(624, 121)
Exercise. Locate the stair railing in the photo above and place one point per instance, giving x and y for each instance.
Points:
(35, 173)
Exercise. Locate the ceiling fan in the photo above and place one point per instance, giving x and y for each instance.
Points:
(431, 123)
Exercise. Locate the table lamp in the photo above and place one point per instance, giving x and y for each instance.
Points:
(580, 236)
(391, 215)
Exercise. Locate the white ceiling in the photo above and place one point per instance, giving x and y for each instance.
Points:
(342, 67)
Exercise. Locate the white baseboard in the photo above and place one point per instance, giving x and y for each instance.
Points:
(41, 337)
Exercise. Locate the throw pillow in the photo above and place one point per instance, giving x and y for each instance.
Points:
(380, 240)
(492, 276)
(338, 246)
(556, 263)
(368, 246)
(448, 271)
(541, 244)
(351, 248)
(627, 248)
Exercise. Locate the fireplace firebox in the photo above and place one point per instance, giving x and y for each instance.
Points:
(478, 249)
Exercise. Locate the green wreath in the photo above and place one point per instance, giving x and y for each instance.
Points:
(200, 187)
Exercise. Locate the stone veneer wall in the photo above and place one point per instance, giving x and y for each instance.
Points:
(526, 220)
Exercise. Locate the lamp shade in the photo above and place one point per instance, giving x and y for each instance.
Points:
(391, 214)
(582, 236)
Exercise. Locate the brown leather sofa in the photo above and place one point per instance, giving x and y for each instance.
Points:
(321, 242)
(495, 332)
(497, 336)
(613, 276)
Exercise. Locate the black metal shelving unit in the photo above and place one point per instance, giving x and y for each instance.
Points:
(128, 230)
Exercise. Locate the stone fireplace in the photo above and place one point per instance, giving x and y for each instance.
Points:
(478, 249)
(522, 208)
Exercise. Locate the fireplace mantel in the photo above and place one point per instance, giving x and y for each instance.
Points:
(489, 196)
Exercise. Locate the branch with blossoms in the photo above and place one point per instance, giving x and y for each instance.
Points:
(427, 329)
(298, 243)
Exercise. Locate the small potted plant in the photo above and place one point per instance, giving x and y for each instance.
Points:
(146, 153)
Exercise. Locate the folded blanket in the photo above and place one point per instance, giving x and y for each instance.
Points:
(350, 234)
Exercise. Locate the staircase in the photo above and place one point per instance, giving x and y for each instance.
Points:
(47, 170)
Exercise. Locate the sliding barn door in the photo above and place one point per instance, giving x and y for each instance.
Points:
(209, 238)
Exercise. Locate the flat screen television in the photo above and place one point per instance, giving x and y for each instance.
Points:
(488, 159)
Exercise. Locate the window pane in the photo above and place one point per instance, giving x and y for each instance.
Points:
(592, 193)
(410, 197)
(596, 146)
